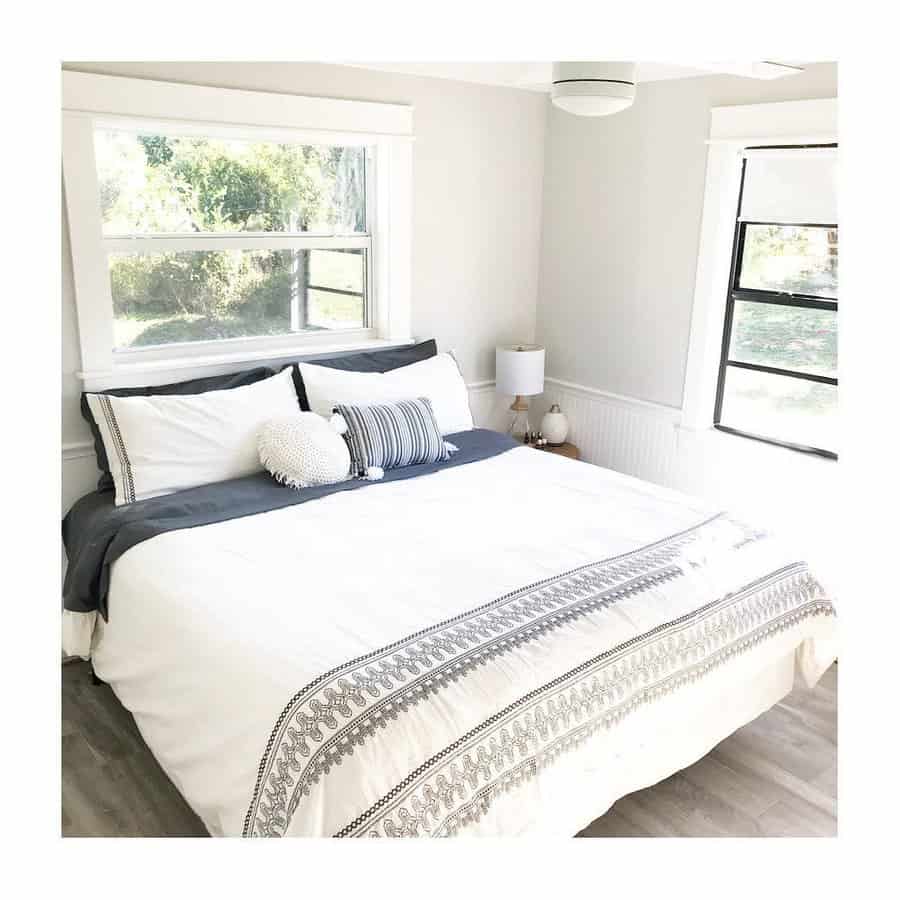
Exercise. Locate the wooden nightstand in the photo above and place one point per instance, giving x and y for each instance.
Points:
(568, 450)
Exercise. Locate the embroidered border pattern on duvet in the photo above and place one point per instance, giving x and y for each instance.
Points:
(458, 785)
(342, 708)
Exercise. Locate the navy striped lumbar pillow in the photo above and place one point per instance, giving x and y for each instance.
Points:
(391, 435)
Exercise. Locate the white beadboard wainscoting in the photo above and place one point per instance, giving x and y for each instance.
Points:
(621, 433)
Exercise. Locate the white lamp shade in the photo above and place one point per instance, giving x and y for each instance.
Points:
(520, 370)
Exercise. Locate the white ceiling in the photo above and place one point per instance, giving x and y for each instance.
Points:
(537, 75)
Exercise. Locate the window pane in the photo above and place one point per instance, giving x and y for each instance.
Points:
(790, 258)
(334, 311)
(786, 337)
(776, 406)
(336, 269)
(172, 298)
(156, 183)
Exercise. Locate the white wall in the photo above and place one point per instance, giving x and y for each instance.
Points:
(477, 173)
(623, 198)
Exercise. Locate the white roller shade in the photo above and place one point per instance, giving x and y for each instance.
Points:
(796, 186)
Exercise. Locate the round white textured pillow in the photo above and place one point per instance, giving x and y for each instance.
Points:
(304, 450)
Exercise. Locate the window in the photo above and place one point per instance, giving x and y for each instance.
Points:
(209, 239)
(778, 369)
(210, 226)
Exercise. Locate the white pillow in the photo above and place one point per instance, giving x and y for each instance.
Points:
(165, 443)
(437, 378)
(304, 450)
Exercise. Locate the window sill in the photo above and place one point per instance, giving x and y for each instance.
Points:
(126, 372)
(772, 442)
(722, 433)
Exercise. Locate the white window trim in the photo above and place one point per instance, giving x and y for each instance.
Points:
(89, 100)
(732, 130)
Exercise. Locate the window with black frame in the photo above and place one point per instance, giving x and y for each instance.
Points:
(778, 370)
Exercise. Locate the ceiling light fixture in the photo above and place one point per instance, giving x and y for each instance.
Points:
(593, 88)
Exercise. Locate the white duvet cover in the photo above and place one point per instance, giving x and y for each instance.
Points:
(501, 648)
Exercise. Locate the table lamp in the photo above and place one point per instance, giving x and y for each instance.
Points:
(520, 372)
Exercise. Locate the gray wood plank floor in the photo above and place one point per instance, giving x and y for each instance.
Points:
(776, 777)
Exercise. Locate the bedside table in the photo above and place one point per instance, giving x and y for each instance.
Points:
(568, 450)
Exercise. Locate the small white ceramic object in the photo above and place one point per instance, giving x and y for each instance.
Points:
(555, 426)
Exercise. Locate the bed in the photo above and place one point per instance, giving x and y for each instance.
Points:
(500, 645)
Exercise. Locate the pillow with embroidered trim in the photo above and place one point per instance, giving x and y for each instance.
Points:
(164, 443)
(392, 435)
(193, 386)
